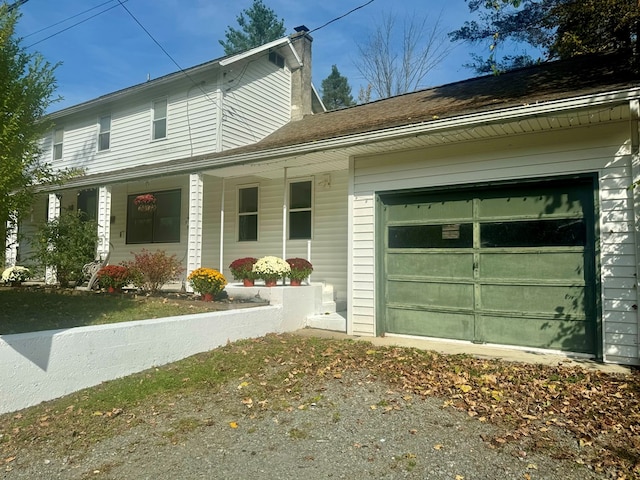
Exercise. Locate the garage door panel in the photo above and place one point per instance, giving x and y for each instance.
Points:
(559, 301)
(439, 209)
(538, 204)
(458, 326)
(525, 265)
(452, 295)
(456, 265)
(567, 335)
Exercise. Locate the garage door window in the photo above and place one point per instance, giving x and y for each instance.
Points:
(534, 233)
(451, 235)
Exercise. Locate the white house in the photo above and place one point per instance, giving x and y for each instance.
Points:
(495, 210)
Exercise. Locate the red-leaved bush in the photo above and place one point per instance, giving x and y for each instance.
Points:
(149, 271)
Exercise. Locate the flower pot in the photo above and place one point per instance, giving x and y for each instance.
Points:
(113, 290)
(207, 297)
(248, 282)
(295, 283)
(270, 283)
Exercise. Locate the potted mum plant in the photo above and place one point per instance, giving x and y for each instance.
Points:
(145, 203)
(113, 277)
(15, 275)
(300, 269)
(242, 269)
(208, 282)
(270, 269)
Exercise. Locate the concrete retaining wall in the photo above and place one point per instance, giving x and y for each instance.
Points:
(45, 365)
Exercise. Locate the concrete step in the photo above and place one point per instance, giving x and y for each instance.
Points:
(328, 321)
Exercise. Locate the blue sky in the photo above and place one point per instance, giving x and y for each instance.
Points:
(111, 51)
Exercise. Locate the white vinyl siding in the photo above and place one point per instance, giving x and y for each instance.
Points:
(257, 102)
(600, 149)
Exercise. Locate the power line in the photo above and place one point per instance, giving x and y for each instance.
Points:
(74, 25)
(68, 18)
(342, 16)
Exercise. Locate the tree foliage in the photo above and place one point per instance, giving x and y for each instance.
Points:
(27, 84)
(336, 92)
(397, 60)
(258, 24)
(67, 243)
(557, 29)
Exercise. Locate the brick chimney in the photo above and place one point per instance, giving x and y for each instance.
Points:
(301, 92)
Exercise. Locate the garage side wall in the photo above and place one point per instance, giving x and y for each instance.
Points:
(603, 150)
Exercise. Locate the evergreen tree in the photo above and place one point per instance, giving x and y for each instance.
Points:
(336, 92)
(258, 25)
(556, 28)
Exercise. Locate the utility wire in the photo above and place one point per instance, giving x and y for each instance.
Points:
(67, 19)
(74, 25)
(342, 16)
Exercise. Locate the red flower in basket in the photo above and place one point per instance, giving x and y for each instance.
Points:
(145, 203)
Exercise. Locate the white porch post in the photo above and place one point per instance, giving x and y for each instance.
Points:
(104, 221)
(634, 107)
(52, 213)
(194, 241)
(222, 227)
(285, 207)
(11, 245)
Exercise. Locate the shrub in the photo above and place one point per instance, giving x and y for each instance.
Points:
(300, 268)
(114, 276)
(207, 280)
(149, 271)
(243, 268)
(271, 268)
(67, 243)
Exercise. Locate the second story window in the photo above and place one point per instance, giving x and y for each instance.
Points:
(247, 214)
(58, 137)
(104, 136)
(159, 120)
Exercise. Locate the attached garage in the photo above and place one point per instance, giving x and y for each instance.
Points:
(509, 264)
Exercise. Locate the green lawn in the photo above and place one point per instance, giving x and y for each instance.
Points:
(34, 309)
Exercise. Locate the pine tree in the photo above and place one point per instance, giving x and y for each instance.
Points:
(258, 25)
(336, 92)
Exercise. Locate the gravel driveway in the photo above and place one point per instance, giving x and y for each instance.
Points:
(351, 427)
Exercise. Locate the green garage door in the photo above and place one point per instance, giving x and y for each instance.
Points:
(510, 265)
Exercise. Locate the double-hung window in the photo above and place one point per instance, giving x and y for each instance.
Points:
(158, 225)
(58, 137)
(248, 214)
(104, 135)
(300, 210)
(159, 120)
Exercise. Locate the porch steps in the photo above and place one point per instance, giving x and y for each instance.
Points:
(327, 318)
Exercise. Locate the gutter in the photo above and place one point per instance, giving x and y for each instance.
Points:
(189, 165)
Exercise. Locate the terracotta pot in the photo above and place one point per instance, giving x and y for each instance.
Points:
(207, 297)
(270, 283)
(248, 282)
(112, 289)
(295, 283)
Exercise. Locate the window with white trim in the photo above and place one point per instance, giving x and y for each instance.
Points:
(159, 120)
(104, 134)
(248, 213)
(58, 137)
(300, 210)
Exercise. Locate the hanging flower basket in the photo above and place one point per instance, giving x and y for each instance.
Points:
(145, 203)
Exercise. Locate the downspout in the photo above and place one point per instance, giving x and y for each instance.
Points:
(285, 207)
(634, 109)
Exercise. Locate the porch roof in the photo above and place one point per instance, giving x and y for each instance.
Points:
(587, 89)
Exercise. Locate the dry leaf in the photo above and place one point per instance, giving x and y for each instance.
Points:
(233, 424)
(438, 447)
